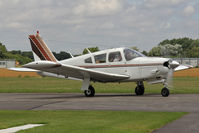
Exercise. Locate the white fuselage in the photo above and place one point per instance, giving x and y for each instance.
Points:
(139, 69)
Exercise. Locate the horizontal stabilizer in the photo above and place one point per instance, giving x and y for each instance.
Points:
(41, 65)
(19, 69)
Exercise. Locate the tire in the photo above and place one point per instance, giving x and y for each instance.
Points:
(90, 92)
(139, 90)
(165, 92)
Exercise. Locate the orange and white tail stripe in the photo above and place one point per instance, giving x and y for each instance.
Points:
(40, 48)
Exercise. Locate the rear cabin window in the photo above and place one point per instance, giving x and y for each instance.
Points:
(115, 57)
(88, 60)
(100, 58)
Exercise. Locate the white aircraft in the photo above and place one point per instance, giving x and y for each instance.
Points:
(111, 65)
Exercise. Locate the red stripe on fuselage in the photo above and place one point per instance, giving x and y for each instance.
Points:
(124, 65)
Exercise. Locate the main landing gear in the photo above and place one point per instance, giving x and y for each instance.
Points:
(139, 90)
(90, 92)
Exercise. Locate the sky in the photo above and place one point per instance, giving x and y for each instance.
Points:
(72, 25)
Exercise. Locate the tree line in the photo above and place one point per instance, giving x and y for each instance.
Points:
(181, 47)
(174, 48)
(24, 57)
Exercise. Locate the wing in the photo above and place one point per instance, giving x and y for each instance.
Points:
(75, 71)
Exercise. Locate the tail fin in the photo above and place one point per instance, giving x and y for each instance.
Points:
(40, 49)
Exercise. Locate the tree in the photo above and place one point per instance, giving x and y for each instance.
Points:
(15, 54)
(21, 59)
(3, 48)
(195, 43)
(135, 48)
(27, 54)
(169, 50)
(166, 50)
(181, 47)
(15, 51)
(62, 55)
(155, 51)
(194, 52)
(144, 53)
(185, 42)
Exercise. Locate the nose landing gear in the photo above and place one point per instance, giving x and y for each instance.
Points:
(165, 92)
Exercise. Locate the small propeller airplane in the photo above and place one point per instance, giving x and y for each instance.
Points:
(111, 65)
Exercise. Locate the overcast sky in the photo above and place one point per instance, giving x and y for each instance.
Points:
(72, 25)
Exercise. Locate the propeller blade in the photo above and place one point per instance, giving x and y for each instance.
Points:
(170, 78)
(171, 65)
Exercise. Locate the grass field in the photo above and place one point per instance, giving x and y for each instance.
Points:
(88, 121)
(185, 81)
(50, 85)
(193, 72)
(8, 73)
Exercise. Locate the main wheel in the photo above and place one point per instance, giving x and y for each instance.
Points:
(90, 92)
(165, 92)
(139, 90)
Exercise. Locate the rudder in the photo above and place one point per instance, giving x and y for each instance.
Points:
(40, 49)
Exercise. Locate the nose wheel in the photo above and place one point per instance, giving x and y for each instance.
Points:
(90, 92)
(165, 92)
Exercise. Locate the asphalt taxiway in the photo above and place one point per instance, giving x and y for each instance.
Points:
(76, 101)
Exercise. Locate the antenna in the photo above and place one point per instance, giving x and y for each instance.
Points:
(71, 54)
(88, 50)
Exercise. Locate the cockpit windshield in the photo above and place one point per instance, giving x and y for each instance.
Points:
(131, 54)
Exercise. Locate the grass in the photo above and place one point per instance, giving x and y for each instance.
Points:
(88, 121)
(55, 85)
(38, 84)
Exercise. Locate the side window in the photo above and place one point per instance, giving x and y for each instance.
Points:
(88, 60)
(100, 58)
(114, 57)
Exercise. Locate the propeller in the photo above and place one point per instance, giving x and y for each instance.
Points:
(171, 65)
(170, 78)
